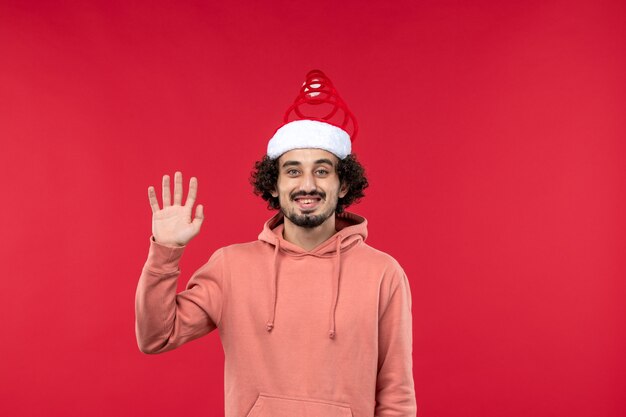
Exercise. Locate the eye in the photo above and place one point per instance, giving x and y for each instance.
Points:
(292, 172)
(323, 171)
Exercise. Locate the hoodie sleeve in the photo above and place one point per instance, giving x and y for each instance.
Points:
(395, 392)
(164, 319)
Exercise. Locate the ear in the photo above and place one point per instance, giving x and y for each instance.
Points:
(274, 193)
(343, 190)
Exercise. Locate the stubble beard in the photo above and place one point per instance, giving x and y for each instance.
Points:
(309, 220)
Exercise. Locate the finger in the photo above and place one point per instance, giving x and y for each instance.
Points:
(191, 196)
(166, 191)
(178, 188)
(154, 203)
(197, 221)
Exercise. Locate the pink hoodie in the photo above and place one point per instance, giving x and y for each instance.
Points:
(320, 333)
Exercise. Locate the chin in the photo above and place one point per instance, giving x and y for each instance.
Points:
(308, 219)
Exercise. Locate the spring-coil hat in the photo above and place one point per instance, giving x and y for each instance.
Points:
(318, 118)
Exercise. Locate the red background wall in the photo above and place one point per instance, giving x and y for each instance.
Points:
(493, 134)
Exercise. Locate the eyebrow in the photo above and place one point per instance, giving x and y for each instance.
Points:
(319, 161)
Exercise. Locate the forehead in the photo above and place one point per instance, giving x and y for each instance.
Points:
(307, 156)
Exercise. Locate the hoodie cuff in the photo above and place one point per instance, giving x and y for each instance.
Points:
(163, 259)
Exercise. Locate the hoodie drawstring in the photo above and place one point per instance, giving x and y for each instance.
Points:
(335, 291)
(269, 325)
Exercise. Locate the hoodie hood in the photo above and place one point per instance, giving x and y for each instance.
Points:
(351, 231)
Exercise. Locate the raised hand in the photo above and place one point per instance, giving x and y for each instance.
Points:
(172, 225)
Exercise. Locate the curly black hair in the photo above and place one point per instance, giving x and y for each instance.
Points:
(265, 177)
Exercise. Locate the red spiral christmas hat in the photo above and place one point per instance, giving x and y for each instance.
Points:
(318, 118)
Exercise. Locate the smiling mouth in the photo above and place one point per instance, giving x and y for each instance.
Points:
(307, 203)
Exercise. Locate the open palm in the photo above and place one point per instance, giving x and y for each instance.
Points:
(172, 224)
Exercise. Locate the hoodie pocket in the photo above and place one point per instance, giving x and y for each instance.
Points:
(270, 405)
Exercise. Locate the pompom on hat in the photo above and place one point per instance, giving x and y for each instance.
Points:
(318, 118)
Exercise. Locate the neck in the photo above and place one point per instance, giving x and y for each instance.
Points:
(308, 238)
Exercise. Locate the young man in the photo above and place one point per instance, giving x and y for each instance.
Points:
(313, 321)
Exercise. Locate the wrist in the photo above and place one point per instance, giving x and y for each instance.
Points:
(170, 244)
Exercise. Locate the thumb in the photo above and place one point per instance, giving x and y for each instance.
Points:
(197, 221)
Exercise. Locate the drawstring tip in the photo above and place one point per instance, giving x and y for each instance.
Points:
(269, 326)
(331, 334)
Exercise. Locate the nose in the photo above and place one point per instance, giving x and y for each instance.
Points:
(308, 183)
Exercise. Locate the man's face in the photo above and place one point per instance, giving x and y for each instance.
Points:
(308, 186)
